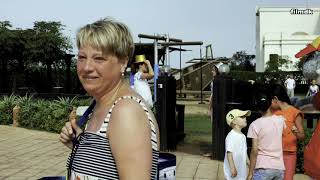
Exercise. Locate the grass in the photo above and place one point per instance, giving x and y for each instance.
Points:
(198, 129)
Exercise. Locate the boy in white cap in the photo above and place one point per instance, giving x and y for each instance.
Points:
(236, 158)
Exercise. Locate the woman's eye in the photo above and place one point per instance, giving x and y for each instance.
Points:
(99, 59)
(81, 57)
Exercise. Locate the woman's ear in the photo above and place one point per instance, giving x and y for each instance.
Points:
(275, 98)
(124, 64)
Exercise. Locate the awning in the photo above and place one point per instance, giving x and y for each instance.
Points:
(314, 46)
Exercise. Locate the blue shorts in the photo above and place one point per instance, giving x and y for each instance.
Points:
(268, 174)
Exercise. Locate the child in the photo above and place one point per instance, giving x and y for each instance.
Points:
(236, 157)
(313, 88)
(293, 132)
(143, 73)
(266, 160)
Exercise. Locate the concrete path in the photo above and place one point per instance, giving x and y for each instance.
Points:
(29, 154)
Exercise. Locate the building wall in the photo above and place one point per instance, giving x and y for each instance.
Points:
(278, 31)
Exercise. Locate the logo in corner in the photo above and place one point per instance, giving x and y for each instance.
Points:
(296, 11)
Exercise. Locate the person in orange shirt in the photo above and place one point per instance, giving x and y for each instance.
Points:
(293, 132)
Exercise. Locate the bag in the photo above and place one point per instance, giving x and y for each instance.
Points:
(167, 166)
(312, 155)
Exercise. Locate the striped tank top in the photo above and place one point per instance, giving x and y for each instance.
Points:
(92, 159)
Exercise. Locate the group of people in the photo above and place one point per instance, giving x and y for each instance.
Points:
(121, 136)
(290, 85)
(274, 138)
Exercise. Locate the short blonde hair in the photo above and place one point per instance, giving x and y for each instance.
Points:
(109, 36)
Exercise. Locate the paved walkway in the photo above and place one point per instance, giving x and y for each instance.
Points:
(30, 154)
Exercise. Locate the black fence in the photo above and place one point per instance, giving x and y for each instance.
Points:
(170, 116)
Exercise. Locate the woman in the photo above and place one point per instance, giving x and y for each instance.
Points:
(143, 73)
(294, 130)
(214, 72)
(266, 157)
(120, 140)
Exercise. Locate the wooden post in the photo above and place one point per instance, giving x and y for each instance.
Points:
(15, 115)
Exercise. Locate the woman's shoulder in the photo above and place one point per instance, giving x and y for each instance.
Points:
(293, 110)
(265, 120)
(138, 74)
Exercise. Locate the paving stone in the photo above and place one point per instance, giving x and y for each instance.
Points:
(30, 154)
(207, 171)
(186, 171)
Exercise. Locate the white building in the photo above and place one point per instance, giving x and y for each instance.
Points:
(284, 31)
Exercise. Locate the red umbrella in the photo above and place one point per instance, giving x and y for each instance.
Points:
(314, 46)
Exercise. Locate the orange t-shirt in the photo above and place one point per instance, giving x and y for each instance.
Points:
(289, 140)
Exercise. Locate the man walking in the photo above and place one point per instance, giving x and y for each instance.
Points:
(290, 84)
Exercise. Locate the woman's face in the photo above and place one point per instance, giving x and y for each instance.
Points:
(98, 73)
(214, 72)
(143, 67)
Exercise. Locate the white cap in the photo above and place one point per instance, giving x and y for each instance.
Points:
(234, 113)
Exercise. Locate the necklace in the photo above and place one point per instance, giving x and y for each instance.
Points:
(95, 111)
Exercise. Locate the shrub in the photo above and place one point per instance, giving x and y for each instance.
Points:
(7, 103)
(46, 115)
(300, 146)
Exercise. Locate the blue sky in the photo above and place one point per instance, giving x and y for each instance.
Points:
(229, 25)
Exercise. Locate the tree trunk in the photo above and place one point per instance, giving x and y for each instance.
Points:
(68, 74)
(3, 79)
(49, 77)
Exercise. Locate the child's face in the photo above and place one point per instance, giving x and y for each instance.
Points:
(144, 68)
(240, 121)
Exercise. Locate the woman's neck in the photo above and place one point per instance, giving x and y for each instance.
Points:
(109, 97)
(284, 105)
(267, 113)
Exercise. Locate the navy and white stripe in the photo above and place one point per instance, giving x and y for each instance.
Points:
(94, 157)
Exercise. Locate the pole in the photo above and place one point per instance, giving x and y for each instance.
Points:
(191, 43)
(158, 38)
(201, 100)
(167, 53)
(156, 70)
(180, 74)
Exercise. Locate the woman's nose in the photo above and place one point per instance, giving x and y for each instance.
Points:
(87, 64)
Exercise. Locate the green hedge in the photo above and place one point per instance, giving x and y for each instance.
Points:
(38, 113)
(301, 145)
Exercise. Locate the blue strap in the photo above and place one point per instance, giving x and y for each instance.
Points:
(84, 117)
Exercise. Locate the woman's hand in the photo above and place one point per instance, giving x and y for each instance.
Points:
(234, 172)
(147, 62)
(70, 130)
(294, 129)
(249, 177)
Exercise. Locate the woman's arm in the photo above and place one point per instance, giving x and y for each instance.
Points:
(150, 73)
(130, 140)
(298, 131)
(308, 92)
(253, 157)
